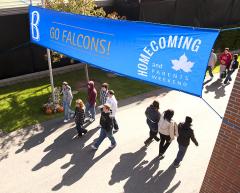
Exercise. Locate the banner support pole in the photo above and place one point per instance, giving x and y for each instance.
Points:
(86, 72)
(50, 66)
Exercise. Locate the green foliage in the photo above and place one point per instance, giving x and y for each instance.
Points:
(229, 39)
(84, 7)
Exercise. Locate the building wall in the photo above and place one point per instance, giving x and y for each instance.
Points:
(223, 173)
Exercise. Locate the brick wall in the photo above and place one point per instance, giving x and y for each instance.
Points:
(223, 173)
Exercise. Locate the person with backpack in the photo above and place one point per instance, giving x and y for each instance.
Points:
(153, 116)
(232, 68)
(185, 133)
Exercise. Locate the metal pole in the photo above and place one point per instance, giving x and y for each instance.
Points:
(86, 72)
(50, 66)
(85, 65)
(51, 74)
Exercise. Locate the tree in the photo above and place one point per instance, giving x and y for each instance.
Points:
(84, 7)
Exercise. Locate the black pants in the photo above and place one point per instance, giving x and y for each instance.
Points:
(228, 77)
(80, 129)
(152, 135)
(209, 68)
(164, 143)
(115, 124)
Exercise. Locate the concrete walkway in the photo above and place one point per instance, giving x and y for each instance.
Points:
(46, 158)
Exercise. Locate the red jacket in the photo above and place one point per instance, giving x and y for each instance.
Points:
(92, 93)
(225, 59)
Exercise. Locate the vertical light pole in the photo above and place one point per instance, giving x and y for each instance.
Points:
(50, 66)
(85, 65)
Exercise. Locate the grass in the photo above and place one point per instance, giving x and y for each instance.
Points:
(21, 104)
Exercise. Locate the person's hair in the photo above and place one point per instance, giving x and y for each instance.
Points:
(111, 92)
(235, 56)
(105, 85)
(107, 106)
(188, 121)
(155, 104)
(168, 114)
(80, 102)
(226, 49)
(65, 83)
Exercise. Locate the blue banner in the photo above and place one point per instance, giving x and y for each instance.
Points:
(171, 56)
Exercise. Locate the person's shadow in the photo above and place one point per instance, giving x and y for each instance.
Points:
(218, 87)
(81, 162)
(47, 129)
(143, 179)
(124, 168)
(63, 145)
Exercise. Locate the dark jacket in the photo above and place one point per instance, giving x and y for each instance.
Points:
(185, 133)
(79, 116)
(235, 64)
(106, 121)
(92, 94)
(153, 117)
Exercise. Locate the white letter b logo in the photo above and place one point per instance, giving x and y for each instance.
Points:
(34, 25)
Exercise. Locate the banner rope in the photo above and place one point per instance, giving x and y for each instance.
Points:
(212, 108)
(230, 29)
(14, 48)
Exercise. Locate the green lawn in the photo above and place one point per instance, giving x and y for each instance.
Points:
(21, 104)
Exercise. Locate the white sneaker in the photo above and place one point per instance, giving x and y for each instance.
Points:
(94, 147)
(65, 121)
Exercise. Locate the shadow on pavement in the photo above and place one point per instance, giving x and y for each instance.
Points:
(124, 168)
(82, 162)
(63, 145)
(39, 138)
(143, 179)
(217, 87)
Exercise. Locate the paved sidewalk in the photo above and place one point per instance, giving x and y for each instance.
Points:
(45, 158)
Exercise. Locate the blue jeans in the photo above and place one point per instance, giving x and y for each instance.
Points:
(103, 135)
(181, 152)
(67, 109)
(90, 109)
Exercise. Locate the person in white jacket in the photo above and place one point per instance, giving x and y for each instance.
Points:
(166, 129)
(111, 99)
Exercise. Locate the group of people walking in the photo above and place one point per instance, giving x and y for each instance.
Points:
(84, 113)
(228, 64)
(168, 130)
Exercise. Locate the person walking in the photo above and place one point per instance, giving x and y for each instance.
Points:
(90, 111)
(153, 116)
(67, 100)
(79, 117)
(233, 67)
(112, 101)
(211, 63)
(106, 123)
(104, 93)
(225, 61)
(185, 133)
(166, 128)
